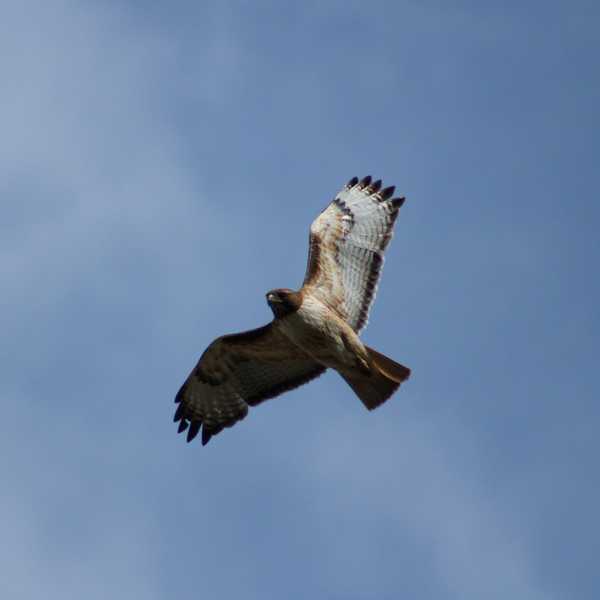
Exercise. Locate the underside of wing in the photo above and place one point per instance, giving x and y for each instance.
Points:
(346, 247)
(237, 371)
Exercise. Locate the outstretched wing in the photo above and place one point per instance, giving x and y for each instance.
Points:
(237, 371)
(346, 246)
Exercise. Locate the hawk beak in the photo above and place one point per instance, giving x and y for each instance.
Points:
(273, 298)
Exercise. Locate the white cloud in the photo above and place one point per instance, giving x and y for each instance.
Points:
(116, 557)
(417, 481)
(94, 193)
(107, 253)
(92, 169)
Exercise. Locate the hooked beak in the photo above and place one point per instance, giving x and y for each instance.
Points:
(273, 298)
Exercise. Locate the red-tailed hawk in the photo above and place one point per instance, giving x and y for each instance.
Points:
(315, 328)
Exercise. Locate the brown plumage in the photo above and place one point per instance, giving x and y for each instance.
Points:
(314, 328)
(385, 378)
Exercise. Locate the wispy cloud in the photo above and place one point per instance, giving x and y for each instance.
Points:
(159, 170)
(405, 485)
(98, 215)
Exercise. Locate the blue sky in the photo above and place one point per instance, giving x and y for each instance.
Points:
(161, 166)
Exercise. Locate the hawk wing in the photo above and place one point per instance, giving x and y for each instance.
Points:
(237, 371)
(346, 246)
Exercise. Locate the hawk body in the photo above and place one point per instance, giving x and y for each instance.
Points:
(314, 328)
(323, 335)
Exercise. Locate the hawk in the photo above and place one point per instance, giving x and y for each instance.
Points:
(314, 329)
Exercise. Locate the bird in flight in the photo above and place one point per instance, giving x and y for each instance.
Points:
(314, 329)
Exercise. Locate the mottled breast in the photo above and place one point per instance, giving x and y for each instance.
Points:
(317, 330)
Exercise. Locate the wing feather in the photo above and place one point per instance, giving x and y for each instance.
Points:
(237, 371)
(346, 248)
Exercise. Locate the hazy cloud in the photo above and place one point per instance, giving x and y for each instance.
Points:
(161, 165)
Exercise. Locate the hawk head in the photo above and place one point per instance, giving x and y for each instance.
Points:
(284, 301)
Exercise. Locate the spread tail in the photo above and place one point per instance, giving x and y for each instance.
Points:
(385, 378)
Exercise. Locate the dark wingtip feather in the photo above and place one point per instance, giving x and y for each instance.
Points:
(193, 430)
(376, 186)
(398, 202)
(352, 182)
(365, 181)
(183, 425)
(387, 192)
(180, 393)
(206, 435)
(179, 413)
